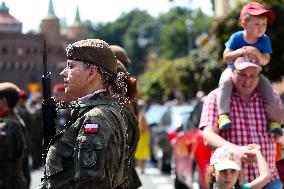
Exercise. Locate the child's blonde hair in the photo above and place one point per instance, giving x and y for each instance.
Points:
(211, 180)
(247, 17)
(223, 158)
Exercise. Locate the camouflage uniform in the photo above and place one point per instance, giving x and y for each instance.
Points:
(36, 135)
(133, 180)
(62, 119)
(123, 61)
(91, 151)
(12, 149)
(25, 116)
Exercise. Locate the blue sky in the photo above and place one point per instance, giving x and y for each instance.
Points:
(30, 12)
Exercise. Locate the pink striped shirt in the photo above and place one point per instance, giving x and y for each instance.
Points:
(249, 126)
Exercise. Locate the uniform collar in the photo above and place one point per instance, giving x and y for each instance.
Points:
(87, 97)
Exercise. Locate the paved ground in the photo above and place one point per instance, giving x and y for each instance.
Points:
(152, 178)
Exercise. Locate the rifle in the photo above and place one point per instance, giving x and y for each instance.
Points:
(48, 106)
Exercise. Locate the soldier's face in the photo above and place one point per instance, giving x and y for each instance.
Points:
(75, 79)
(3, 103)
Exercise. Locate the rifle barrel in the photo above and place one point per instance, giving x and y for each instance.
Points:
(44, 59)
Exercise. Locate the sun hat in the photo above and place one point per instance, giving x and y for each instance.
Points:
(255, 9)
(245, 62)
(225, 157)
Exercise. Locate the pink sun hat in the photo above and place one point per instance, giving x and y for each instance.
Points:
(225, 158)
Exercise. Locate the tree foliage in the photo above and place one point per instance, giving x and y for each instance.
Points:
(126, 31)
(187, 75)
(173, 36)
(175, 71)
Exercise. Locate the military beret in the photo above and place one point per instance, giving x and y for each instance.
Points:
(93, 51)
(9, 87)
(11, 92)
(23, 94)
(121, 55)
(121, 67)
(58, 87)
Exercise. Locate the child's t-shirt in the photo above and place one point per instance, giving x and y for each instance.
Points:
(237, 41)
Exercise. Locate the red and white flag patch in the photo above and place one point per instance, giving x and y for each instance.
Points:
(91, 128)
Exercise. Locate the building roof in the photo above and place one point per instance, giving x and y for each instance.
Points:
(51, 12)
(5, 17)
(77, 20)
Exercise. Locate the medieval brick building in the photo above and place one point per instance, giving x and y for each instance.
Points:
(21, 54)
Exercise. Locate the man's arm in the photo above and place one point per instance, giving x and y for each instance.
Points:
(213, 139)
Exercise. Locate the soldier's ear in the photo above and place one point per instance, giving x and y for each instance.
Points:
(93, 73)
(4, 100)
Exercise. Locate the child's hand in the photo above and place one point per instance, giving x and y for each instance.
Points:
(246, 153)
(250, 50)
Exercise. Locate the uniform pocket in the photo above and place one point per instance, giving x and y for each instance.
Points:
(90, 160)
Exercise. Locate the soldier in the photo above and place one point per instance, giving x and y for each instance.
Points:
(63, 114)
(131, 94)
(25, 115)
(123, 59)
(91, 151)
(36, 129)
(12, 140)
(132, 128)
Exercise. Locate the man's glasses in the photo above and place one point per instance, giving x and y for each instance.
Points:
(246, 77)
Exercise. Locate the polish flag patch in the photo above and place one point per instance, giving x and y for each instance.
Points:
(91, 128)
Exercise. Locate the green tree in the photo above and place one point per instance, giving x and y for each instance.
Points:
(137, 52)
(198, 71)
(176, 34)
(126, 32)
(173, 37)
(149, 86)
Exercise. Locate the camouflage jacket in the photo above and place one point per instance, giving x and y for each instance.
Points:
(132, 181)
(90, 152)
(12, 149)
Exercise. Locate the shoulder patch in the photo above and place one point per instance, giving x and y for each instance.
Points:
(91, 128)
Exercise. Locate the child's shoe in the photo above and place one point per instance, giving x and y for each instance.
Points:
(224, 122)
(275, 128)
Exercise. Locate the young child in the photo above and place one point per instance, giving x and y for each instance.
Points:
(224, 171)
(251, 41)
